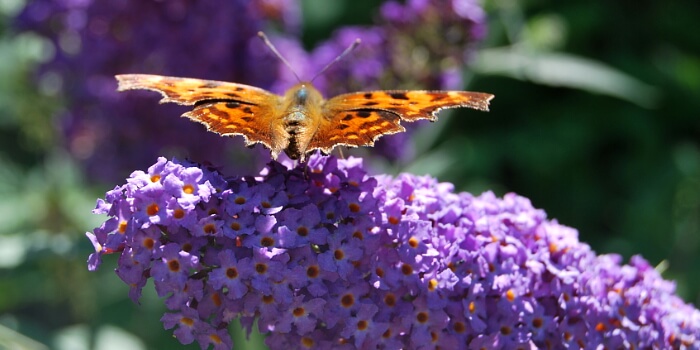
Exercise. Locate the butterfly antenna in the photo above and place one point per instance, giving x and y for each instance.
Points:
(340, 57)
(272, 47)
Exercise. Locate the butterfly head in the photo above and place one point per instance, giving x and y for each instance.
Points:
(303, 94)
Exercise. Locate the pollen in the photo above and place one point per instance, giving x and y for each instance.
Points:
(302, 231)
(187, 321)
(472, 307)
(537, 322)
(267, 241)
(148, 243)
(174, 265)
(122, 227)
(239, 200)
(152, 209)
(358, 234)
(505, 330)
(298, 312)
(215, 339)
(189, 189)
(390, 299)
(232, 272)
(459, 327)
(553, 248)
(178, 213)
(394, 220)
(260, 268)
(406, 269)
(235, 226)
(600, 327)
(432, 284)
(209, 229)
(216, 299)
(347, 300)
(510, 295)
(268, 299)
(338, 254)
(354, 207)
(307, 342)
(266, 205)
(312, 271)
(413, 242)
(155, 178)
(362, 325)
(379, 272)
(422, 317)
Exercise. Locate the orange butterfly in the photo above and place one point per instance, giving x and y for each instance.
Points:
(301, 120)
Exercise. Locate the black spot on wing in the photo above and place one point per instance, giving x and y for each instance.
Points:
(370, 103)
(368, 95)
(247, 110)
(438, 97)
(398, 95)
(233, 105)
(363, 114)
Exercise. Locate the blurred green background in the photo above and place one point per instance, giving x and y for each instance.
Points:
(595, 120)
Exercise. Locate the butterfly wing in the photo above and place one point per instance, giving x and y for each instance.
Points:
(225, 108)
(360, 118)
(188, 91)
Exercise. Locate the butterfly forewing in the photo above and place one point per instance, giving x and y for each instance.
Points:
(188, 91)
(411, 105)
(225, 108)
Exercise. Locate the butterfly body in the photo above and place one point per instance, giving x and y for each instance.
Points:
(301, 117)
(301, 120)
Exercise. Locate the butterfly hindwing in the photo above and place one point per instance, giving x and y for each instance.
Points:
(353, 128)
(253, 122)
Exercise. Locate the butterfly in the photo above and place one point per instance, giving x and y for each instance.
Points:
(301, 120)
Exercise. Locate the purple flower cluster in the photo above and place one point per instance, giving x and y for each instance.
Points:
(324, 256)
